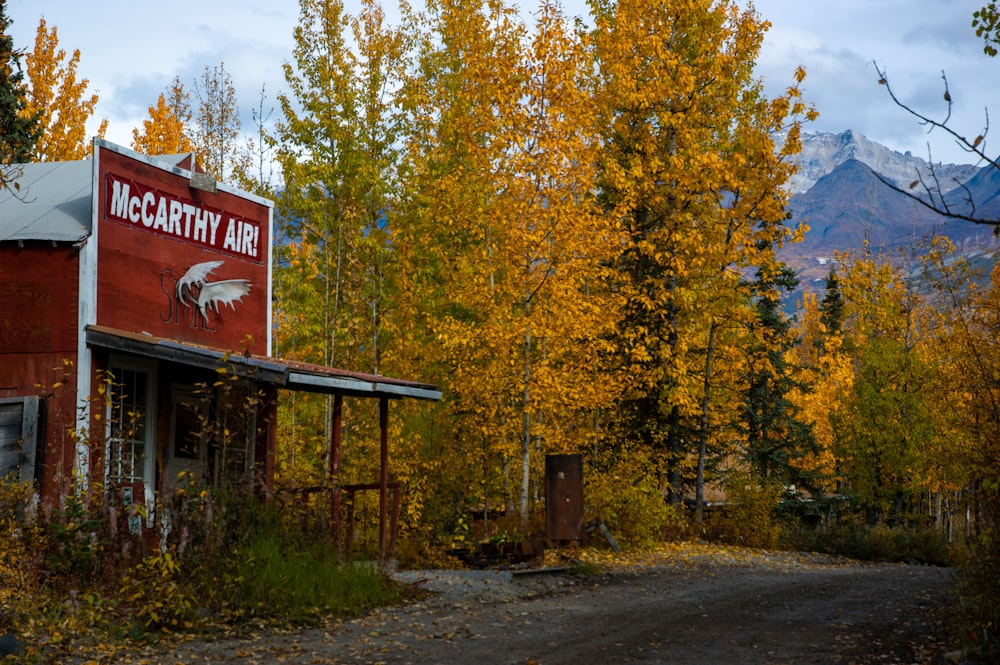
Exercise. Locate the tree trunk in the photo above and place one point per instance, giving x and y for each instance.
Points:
(525, 431)
(699, 492)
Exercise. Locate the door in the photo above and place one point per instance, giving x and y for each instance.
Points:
(185, 457)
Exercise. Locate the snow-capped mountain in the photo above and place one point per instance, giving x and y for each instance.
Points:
(823, 152)
(841, 199)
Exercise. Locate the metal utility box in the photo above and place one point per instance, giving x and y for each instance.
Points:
(564, 497)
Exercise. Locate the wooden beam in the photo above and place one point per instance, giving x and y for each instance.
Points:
(336, 427)
(383, 479)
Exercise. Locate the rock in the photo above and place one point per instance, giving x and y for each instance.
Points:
(950, 658)
(10, 646)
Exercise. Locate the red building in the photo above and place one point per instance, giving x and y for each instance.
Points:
(127, 285)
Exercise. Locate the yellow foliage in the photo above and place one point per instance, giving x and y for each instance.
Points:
(165, 132)
(61, 99)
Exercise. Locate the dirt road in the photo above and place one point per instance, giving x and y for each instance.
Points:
(694, 605)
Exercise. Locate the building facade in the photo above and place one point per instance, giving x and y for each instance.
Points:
(135, 330)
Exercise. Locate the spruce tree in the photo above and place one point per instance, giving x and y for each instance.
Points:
(832, 307)
(776, 431)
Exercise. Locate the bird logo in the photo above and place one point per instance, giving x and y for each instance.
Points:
(194, 289)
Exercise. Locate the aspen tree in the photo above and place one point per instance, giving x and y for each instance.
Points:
(336, 146)
(455, 254)
(58, 99)
(165, 132)
(565, 244)
(504, 253)
(889, 415)
(216, 128)
(827, 370)
(690, 155)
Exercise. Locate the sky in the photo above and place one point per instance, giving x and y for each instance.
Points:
(131, 52)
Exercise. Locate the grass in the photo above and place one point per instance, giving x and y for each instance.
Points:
(272, 578)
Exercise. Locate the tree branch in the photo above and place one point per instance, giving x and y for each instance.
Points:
(930, 194)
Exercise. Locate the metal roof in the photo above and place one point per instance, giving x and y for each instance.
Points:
(288, 374)
(52, 202)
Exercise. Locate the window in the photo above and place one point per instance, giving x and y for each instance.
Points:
(19, 427)
(128, 425)
(130, 435)
(130, 417)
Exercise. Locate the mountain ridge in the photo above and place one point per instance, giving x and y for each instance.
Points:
(840, 197)
(824, 151)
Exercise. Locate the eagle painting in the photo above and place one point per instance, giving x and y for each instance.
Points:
(195, 291)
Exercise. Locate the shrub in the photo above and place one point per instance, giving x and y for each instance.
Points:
(637, 515)
(272, 579)
(749, 515)
(154, 592)
(977, 598)
(22, 540)
(866, 543)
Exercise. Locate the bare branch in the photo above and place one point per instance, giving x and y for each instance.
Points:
(930, 193)
(976, 146)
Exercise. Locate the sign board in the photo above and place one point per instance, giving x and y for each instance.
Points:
(178, 261)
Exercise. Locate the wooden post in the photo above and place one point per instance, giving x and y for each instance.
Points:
(383, 479)
(335, 434)
(394, 517)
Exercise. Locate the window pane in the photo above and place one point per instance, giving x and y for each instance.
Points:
(127, 426)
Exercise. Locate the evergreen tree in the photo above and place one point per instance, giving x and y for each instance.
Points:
(775, 430)
(832, 307)
(19, 132)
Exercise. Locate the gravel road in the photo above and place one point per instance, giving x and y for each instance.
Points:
(695, 605)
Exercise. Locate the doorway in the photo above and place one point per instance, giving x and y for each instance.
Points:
(185, 461)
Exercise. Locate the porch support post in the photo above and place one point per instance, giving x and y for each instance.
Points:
(383, 480)
(336, 427)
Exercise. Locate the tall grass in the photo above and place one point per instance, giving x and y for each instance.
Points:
(292, 581)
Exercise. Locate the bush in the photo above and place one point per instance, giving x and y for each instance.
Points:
(22, 540)
(154, 591)
(78, 572)
(637, 515)
(272, 579)
(865, 543)
(977, 598)
(749, 516)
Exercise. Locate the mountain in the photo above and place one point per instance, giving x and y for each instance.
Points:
(983, 189)
(851, 204)
(844, 203)
(822, 152)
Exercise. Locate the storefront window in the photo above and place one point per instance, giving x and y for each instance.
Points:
(128, 426)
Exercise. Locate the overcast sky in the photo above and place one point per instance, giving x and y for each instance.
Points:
(131, 52)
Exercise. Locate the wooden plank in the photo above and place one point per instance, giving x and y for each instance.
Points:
(38, 289)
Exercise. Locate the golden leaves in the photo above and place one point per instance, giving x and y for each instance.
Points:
(165, 131)
(55, 92)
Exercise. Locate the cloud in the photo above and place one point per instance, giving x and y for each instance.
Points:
(130, 55)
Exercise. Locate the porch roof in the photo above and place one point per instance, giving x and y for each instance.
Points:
(287, 374)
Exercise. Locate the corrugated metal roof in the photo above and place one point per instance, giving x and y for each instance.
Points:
(53, 202)
(285, 373)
